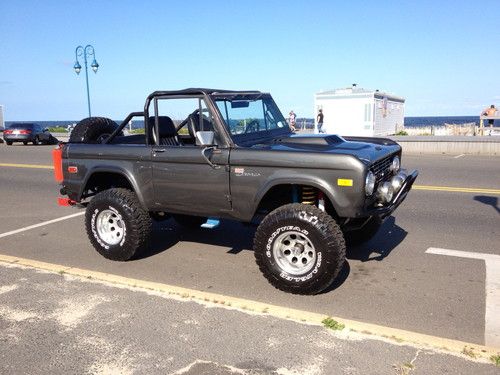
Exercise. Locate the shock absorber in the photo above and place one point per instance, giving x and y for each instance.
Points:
(308, 195)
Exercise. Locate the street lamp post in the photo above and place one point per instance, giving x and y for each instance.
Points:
(88, 51)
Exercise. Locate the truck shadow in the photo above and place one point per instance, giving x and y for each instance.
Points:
(239, 237)
(388, 237)
(230, 234)
(488, 200)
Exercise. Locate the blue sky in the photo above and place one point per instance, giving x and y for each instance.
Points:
(442, 56)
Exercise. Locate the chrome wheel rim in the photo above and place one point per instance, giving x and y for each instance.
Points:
(294, 253)
(110, 227)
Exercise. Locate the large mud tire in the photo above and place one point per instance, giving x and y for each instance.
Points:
(317, 242)
(364, 234)
(117, 225)
(92, 130)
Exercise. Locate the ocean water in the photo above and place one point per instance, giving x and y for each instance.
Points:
(409, 121)
(440, 120)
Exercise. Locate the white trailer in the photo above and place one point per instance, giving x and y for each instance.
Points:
(358, 112)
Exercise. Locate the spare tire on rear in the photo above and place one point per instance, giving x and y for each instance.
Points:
(92, 130)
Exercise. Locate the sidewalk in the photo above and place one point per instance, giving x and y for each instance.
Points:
(55, 323)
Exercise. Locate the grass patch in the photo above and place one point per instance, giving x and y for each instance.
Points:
(333, 324)
(57, 129)
(401, 132)
(397, 339)
(495, 359)
(137, 131)
(469, 352)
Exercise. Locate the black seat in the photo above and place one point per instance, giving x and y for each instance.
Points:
(195, 125)
(166, 129)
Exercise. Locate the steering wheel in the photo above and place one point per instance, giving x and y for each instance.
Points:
(252, 126)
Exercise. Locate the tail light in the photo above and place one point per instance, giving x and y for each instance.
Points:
(24, 131)
(7, 132)
(57, 159)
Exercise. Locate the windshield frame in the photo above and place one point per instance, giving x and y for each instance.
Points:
(253, 137)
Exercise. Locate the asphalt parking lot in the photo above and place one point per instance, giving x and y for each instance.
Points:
(393, 280)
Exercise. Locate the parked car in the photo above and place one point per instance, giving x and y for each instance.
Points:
(27, 132)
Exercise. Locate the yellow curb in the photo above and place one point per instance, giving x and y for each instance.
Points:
(369, 330)
(36, 166)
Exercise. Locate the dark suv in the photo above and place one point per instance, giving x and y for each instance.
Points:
(205, 154)
(26, 132)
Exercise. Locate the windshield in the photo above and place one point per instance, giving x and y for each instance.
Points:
(251, 116)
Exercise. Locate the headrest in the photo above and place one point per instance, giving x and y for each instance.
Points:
(166, 126)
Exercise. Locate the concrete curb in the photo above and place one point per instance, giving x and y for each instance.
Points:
(367, 330)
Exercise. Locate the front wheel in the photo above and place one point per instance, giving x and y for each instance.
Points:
(299, 248)
(9, 143)
(117, 225)
(36, 141)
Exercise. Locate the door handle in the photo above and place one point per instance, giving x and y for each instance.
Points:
(158, 150)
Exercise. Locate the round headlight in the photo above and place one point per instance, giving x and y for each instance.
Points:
(369, 183)
(385, 192)
(397, 182)
(395, 165)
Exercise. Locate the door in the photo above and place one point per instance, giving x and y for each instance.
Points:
(183, 180)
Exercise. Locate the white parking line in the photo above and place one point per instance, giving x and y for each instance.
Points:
(458, 156)
(492, 314)
(40, 224)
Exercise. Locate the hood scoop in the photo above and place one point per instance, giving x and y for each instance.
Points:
(320, 140)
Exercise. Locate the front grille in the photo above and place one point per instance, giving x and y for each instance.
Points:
(381, 168)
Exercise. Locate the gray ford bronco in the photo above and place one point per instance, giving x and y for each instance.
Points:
(204, 155)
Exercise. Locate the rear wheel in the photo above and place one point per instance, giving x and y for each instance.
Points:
(36, 141)
(92, 130)
(117, 225)
(25, 143)
(299, 249)
(9, 143)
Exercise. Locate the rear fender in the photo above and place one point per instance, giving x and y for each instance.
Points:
(115, 170)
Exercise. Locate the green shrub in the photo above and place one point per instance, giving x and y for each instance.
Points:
(57, 129)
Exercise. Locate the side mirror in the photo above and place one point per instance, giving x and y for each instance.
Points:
(205, 138)
(45, 129)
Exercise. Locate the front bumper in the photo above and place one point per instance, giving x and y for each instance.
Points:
(400, 196)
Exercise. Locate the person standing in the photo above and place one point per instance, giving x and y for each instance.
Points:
(320, 118)
(491, 111)
(292, 120)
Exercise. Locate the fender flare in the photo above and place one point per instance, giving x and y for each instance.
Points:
(320, 184)
(116, 170)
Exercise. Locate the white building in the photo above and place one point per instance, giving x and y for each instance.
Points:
(358, 112)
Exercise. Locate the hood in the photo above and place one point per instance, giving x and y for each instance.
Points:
(367, 149)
